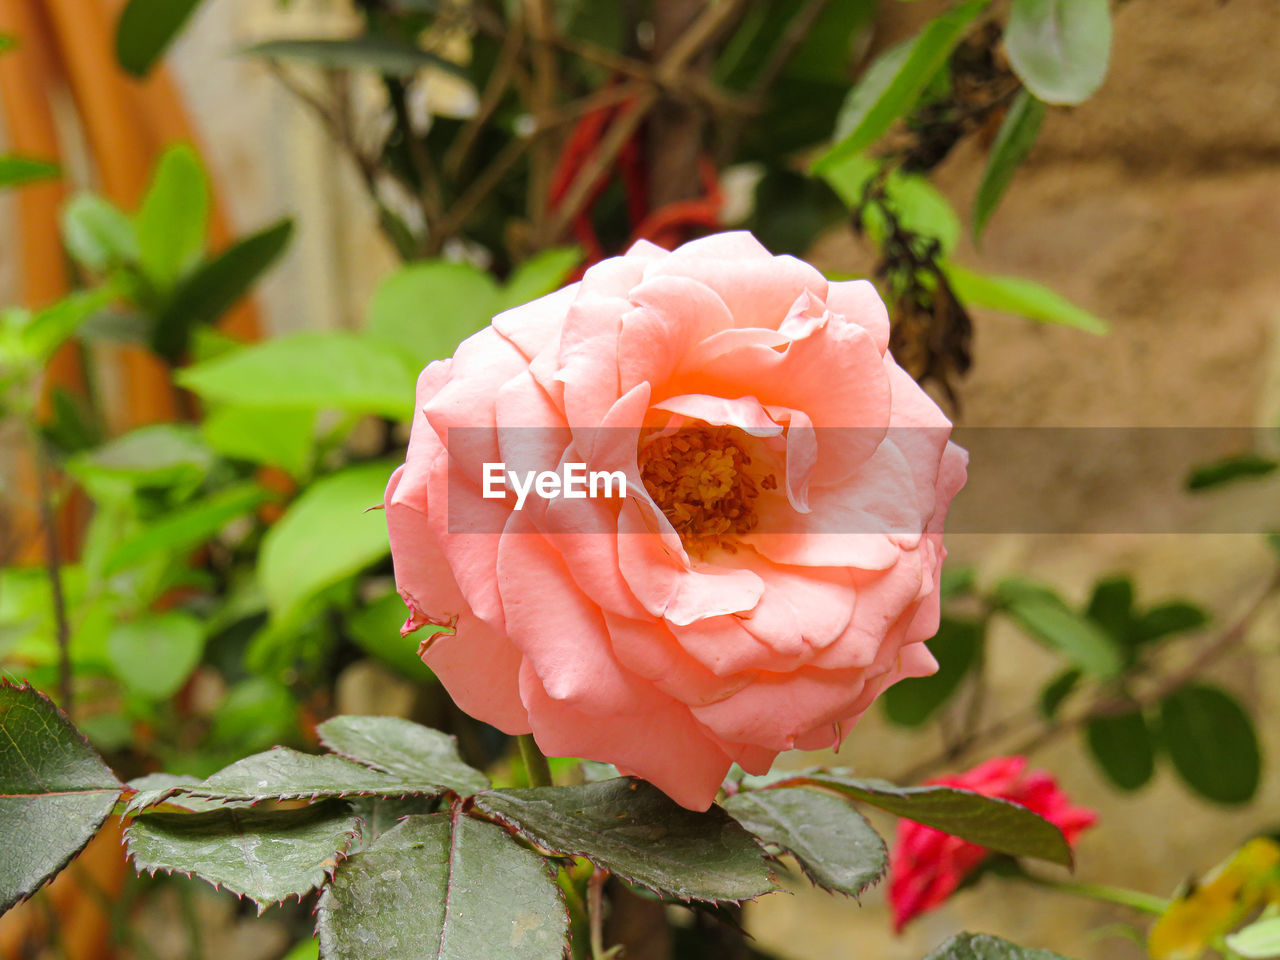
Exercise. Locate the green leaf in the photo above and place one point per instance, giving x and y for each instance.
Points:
(404, 749)
(1043, 615)
(1020, 297)
(161, 455)
(55, 791)
(1169, 618)
(216, 286)
(53, 326)
(832, 842)
(1212, 743)
(265, 855)
(281, 437)
(443, 886)
(426, 309)
(174, 217)
(989, 822)
(911, 702)
(376, 628)
(894, 83)
(187, 527)
(1017, 134)
(1111, 607)
(1123, 748)
(7, 43)
(324, 536)
(154, 655)
(285, 774)
(1060, 48)
(98, 234)
(145, 30)
(384, 55)
(1258, 941)
(982, 946)
(15, 170)
(916, 203)
(1239, 467)
(309, 371)
(957, 581)
(636, 831)
(1053, 695)
(539, 275)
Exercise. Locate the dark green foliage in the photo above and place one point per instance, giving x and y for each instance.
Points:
(987, 821)
(832, 842)
(55, 791)
(1212, 743)
(264, 855)
(957, 647)
(634, 830)
(443, 886)
(1123, 747)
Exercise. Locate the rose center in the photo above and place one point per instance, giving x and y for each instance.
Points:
(702, 479)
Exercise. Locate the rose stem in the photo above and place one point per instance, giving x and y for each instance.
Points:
(535, 763)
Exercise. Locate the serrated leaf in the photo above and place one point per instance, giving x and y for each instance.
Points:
(426, 309)
(1013, 142)
(309, 371)
(265, 855)
(404, 749)
(893, 86)
(1020, 297)
(55, 791)
(636, 831)
(154, 655)
(832, 842)
(16, 171)
(174, 216)
(286, 774)
(1242, 466)
(324, 536)
(384, 55)
(1060, 48)
(1044, 615)
(98, 235)
(443, 886)
(216, 286)
(186, 527)
(982, 946)
(911, 702)
(145, 30)
(989, 822)
(1122, 746)
(1212, 743)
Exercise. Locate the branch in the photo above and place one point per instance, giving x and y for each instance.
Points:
(1225, 643)
(52, 562)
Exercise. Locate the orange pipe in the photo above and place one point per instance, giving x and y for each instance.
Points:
(111, 123)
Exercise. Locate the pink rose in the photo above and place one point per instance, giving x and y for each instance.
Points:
(773, 565)
(928, 865)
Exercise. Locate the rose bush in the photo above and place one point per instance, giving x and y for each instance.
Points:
(775, 562)
(927, 865)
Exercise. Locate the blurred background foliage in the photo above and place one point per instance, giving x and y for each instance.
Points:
(189, 564)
